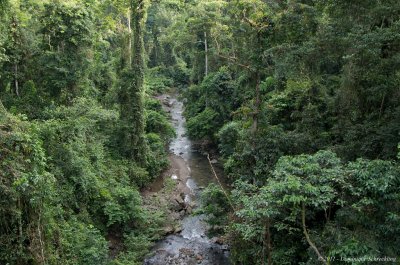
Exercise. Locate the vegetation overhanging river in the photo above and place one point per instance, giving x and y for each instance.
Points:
(193, 173)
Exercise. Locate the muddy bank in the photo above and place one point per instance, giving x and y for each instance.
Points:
(178, 191)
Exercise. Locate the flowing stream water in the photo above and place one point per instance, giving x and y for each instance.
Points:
(191, 245)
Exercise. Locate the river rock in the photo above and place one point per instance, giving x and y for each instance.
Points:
(182, 214)
(179, 200)
(178, 229)
(186, 242)
(189, 209)
(218, 240)
(168, 230)
(174, 216)
(186, 251)
(177, 204)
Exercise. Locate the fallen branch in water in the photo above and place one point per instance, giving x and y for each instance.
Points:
(220, 184)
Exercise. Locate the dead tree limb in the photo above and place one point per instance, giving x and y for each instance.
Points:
(312, 245)
(220, 184)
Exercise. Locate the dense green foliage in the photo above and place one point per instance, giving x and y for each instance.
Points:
(69, 182)
(272, 84)
(300, 98)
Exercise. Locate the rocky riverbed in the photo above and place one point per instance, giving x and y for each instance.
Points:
(178, 190)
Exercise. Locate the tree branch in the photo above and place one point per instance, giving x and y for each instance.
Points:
(312, 245)
(220, 184)
(234, 60)
(254, 24)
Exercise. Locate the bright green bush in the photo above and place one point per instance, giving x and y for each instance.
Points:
(158, 123)
(349, 209)
(156, 81)
(153, 104)
(179, 73)
(81, 243)
(137, 246)
(27, 191)
(215, 205)
(123, 206)
(228, 136)
(203, 125)
(76, 147)
(157, 157)
(210, 104)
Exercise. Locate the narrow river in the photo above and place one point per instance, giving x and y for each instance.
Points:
(191, 245)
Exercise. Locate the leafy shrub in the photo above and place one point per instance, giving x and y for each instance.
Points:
(26, 192)
(123, 206)
(153, 104)
(215, 205)
(82, 243)
(156, 81)
(203, 125)
(349, 209)
(158, 123)
(228, 136)
(137, 246)
(179, 73)
(210, 104)
(76, 147)
(157, 157)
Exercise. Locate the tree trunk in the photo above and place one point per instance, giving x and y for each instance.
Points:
(16, 83)
(138, 144)
(206, 53)
(15, 37)
(257, 104)
(129, 37)
(20, 228)
(267, 242)
(39, 230)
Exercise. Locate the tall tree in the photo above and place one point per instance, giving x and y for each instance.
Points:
(138, 145)
(131, 100)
